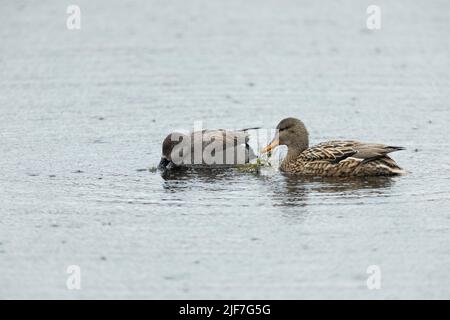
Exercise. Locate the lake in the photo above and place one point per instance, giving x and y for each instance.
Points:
(83, 114)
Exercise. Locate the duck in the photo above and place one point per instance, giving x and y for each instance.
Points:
(336, 158)
(213, 148)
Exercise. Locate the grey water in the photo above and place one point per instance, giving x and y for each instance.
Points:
(83, 114)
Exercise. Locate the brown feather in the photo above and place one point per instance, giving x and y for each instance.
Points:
(337, 158)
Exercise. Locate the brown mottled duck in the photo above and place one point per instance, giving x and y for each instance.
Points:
(337, 158)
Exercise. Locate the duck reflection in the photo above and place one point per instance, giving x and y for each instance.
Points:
(185, 178)
(285, 190)
(288, 192)
(293, 190)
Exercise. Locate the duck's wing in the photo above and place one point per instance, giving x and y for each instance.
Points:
(221, 140)
(338, 150)
(229, 138)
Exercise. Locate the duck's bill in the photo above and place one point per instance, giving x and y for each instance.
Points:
(271, 146)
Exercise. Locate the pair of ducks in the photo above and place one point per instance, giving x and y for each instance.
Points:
(337, 158)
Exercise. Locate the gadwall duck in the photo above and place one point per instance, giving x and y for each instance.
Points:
(206, 149)
(344, 158)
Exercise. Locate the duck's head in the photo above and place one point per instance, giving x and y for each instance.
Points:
(292, 133)
(168, 146)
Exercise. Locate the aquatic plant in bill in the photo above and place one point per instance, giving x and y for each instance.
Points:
(255, 167)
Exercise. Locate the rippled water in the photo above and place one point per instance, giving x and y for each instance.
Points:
(82, 113)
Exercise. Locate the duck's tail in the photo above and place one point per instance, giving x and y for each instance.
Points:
(247, 129)
(390, 149)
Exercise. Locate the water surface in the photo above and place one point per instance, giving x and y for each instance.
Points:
(83, 112)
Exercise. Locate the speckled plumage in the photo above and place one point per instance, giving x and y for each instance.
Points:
(343, 159)
(338, 158)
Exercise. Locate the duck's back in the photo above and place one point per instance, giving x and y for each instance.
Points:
(343, 158)
(212, 148)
